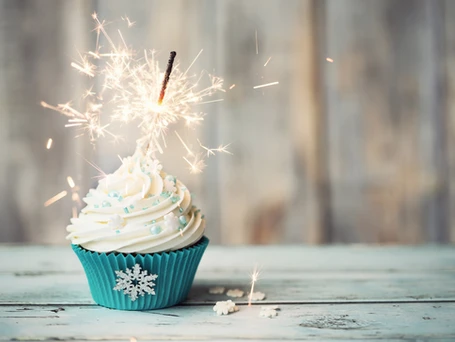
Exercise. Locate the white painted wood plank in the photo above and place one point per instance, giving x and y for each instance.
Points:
(43, 275)
(279, 287)
(386, 321)
(270, 258)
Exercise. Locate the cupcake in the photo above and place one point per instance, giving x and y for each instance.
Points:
(139, 238)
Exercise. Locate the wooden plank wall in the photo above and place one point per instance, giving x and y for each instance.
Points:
(358, 150)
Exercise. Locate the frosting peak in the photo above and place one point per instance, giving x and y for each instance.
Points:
(137, 209)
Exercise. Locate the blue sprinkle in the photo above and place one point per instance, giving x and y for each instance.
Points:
(171, 178)
(96, 206)
(126, 210)
(182, 220)
(156, 202)
(175, 199)
(183, 188)
(153, 221)
(114, 194)
(149, 195)
(106, 204)
(181, 210)
(155, 230)
(198, 211)
(117, 231)
(166, 194)
(203, 216)
(145, 208)
(131, 206)
(120, 198)
(89, 194)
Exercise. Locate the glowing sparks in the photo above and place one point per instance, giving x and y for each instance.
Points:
(128, 21)
(70, 182)
(265, 85)
(197, 165)
(232, 86)
(257, 46)
(329, 60)
(267, 62)
(131, 86)
(254, 278)
(55, 198)
(49, 143)
(211, 151)
(184, 144)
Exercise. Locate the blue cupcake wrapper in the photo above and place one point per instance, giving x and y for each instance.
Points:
(175, 274)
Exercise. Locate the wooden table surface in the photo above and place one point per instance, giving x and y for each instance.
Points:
(324, 293)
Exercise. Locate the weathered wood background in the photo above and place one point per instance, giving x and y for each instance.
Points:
(358, 150)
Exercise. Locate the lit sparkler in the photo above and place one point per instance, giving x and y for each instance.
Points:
(133, 87)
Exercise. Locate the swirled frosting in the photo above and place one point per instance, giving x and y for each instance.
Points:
(137, 209)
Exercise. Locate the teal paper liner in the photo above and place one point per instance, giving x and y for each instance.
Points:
(175, 270)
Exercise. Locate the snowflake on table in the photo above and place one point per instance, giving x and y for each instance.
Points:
(171, 221)
(225, 307)
(257, 296)
(134, 282)
(236, 293)
(269, 311)
(216, 290)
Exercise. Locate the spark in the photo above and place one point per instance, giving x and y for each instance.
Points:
(265, 85)
(102, 174)
(219, 149)
(232, 86)
(49, 143)
(197, 165)
(70, 182)
(128, 21)
(257, 46)
(213, 101)
(55, 198)
(74, 211)
(254, 278)
(184, 145)
(265, 64)
(328, 59)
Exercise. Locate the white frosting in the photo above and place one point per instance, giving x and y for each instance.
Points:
(137, 209)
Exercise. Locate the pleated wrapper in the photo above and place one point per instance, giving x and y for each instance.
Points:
(175, 270)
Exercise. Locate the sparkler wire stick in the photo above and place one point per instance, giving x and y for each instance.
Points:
(167, 75)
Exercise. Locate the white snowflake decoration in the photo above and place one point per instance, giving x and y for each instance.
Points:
(155, 166)
(171, 221)
(225, 307)
(257, 296)
(236, 293)
(269, 311)
(169, 185)
(216, 290)
(134, 282)
(116, 222)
